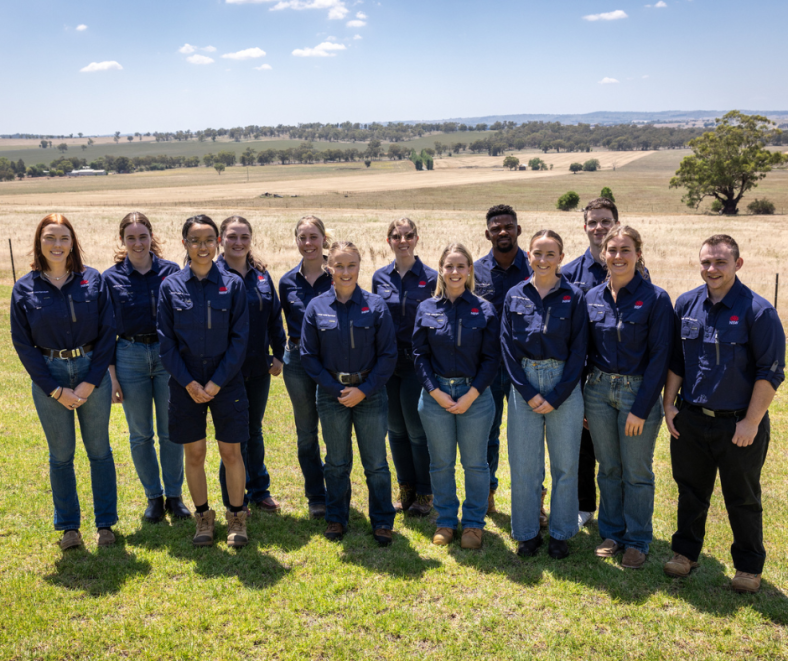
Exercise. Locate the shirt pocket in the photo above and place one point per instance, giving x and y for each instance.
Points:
(259, 299)
(596, 313)
(557, 321)
(634, 329)
(522, 315)
(218, 314)
(469, 331)
(182, 310)
(731, 346)
(690, 332)
(83, 305)
(326, 324)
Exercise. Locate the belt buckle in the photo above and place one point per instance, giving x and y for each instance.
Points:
(60, 353)
(344, 378)
(708, 412)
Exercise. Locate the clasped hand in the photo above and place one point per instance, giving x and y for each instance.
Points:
(460, 406)
(200, 394)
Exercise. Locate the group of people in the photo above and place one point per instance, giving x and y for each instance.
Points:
(589, 355)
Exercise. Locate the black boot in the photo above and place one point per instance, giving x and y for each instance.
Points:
(176, 507)
(155, 510)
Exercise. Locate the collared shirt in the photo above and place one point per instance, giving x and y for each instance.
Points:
(632, 335)
(265, 320)
(585, 272)
(456, 340)
(493, 282)
(722, 349)
(295, 292)
(403, 295)
(78, 313)
(348, 337)
(203, 319)
(135, 296)
(554, 327)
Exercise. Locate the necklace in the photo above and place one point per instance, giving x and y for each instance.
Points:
(51, 277)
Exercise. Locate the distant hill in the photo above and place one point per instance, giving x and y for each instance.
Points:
(609, 118)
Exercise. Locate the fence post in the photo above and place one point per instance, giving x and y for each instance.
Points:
(13, 268)
(776, 286)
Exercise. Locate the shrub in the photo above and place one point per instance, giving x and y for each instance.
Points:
(607, 193)
(716, 206)
(575, 168)
(591, 165)
(511, 162)
(762, 207)
(568, 201)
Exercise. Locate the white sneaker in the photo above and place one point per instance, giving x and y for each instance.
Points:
(584, 518)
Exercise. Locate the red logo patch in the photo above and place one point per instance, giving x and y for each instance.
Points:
(638, 305)
(84, 283)
(474, 310)
(222, 290)
(567, 299)
(261, 277)
(422, 283)
(364, 309)
(734, 320)
(163, 277)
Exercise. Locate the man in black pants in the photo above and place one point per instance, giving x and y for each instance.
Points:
(729, 359)
(586, 272)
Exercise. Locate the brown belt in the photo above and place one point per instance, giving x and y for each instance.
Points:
(65, 354)
(350, 378)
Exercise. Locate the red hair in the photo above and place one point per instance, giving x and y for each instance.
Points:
(73, 261)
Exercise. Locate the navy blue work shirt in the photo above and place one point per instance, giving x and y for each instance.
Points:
(265, 320)
(554, 327)
(78, 313)
(493, 282)
(403, 295)
(457, 340)
(203, 319)
(348, 337)
(585, 272)
(633, 336)
(722, 349)
(296, 293)
(135, 296)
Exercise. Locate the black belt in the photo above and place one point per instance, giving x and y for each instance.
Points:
(65, 354)
(147, 338)
(350, 378)
(716, 414)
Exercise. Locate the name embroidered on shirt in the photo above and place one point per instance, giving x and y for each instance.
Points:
(734, 320)
(638, 305)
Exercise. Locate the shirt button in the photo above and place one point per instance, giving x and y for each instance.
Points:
(204, 362)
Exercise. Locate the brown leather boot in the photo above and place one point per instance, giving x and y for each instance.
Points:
(542, 512)
(407, 496)
(236, 529)
(491, 503)
(744, 582)
(679, 566)
(205, 522)
(471, 538)
(422, 505)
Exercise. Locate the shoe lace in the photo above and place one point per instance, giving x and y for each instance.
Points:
(203, 524)
(236, 524)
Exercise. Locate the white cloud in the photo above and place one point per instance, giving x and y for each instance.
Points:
(608, 81)
(646, 76)
(187, 48)
(606, 16)
(336, 8)
(82, 27)
(321, 50)
(356, 24)
(361, 15)
(357, 36)
(101, 66)
(199, 59)
(247, 54)
(209, 49)
(263, 67)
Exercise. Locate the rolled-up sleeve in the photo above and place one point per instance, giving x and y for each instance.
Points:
(767, 343)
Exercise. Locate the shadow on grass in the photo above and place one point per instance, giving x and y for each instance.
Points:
(399, 560)
(99, 573)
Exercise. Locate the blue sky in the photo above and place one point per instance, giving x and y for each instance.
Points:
(192, 64)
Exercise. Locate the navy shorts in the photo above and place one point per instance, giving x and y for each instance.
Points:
(229, 409)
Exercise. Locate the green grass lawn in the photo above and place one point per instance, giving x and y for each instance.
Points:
(290, 594)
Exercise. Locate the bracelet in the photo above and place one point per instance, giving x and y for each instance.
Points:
(59, 395)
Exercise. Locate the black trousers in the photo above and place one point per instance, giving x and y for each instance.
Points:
(703, 447)
(586, 474)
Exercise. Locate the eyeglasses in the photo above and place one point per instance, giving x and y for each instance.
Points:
(606, 224)
(403, 237)
(208, 243)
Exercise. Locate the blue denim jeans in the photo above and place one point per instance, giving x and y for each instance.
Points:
(499, 389)
(144, 380)
(258, 480)
(469, 432)
(406, 434)
(368, 419)
(58, 424)
(626, 481)
(303, 395)
(526, 433)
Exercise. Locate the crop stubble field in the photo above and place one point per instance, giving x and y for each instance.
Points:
(291, 594)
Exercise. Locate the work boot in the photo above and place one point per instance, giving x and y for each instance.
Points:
(491, 503)
(422, 505)
(268, 504)
(542, 512)
(174, 505)
(236, 529)
(608, 549)
(407, 496)
(205, 522)
(105, 537)
(71, 539)
(317, 510)
(383, 536)
(633, 559)
(471, 538)
(334, 532)
(679, 566)
(443, 536)
(744, 582)
(155, 510)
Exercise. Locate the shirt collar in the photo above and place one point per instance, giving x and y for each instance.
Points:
(519, 258)
(127, 267)
(588, 258)
(213, 274)
(730, 298)
(355, 297)
(417, 269)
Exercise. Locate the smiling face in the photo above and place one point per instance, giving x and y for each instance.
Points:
(598, 223)
(502, 232)
(309, 241)
(621, 256)
(237, 240)
(344, 267)
(201, 243)
(455, 273)
(137, 240)
(545, 256)
(718, 267)
(56, 244)
(403, 240)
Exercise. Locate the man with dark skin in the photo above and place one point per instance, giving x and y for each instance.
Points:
(495, 274)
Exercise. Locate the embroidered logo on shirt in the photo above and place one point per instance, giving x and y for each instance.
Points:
(638, 305)
(474, 311)
(163, 277)
(422, 283)
(567, 299)
(222, 290)
(84, 283)
(364, 309)
(261, 277)
(734, 320)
